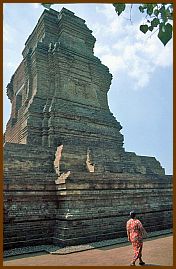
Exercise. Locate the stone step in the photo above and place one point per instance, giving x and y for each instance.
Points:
(108, 184)
(124, 176)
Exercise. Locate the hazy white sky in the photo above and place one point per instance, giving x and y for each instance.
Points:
(141, 93)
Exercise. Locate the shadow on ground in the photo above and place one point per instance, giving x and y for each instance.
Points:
(147, 264)
(20, 256)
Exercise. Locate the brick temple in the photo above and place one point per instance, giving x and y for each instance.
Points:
(67, 177)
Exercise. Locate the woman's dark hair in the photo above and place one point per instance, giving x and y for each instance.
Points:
(132, 214)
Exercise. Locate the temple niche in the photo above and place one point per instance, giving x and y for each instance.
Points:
(64, 150)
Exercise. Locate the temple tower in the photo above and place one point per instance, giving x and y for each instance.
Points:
(63, 141)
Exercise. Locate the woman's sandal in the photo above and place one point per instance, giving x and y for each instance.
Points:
(132, 264)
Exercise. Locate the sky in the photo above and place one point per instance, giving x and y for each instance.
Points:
(141, 93)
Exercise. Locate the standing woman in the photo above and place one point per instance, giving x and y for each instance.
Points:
(135, 232)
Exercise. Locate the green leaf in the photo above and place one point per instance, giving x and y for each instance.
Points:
(46, 5)
(144, 28)
(169, 14)
(163, 13)
(170, 17)
(164, 16)
(145, 6)
(141, 9)
(150, 28)
(119, 8)
(155, 22)
(165, 33)
(156, 12)
(150, 9)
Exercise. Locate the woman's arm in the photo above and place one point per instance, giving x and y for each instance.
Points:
(143, 231)
(128, 232)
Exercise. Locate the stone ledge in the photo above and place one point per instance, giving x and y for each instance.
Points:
(56, 250)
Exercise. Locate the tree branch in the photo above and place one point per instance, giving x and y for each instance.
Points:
(153, 33)
(130, 12)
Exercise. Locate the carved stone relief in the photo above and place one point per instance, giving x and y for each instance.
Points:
(81, 91)
(61, 177)
(58, 155)
(89, 164)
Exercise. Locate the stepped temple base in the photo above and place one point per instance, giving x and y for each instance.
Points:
(84, 207)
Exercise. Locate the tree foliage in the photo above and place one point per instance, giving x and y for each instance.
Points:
(158, 18)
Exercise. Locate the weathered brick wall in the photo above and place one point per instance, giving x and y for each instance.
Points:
(45, 31)
(96, 206)
(85, 207)
(29, 196)
(16, 91)
(19, 77)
